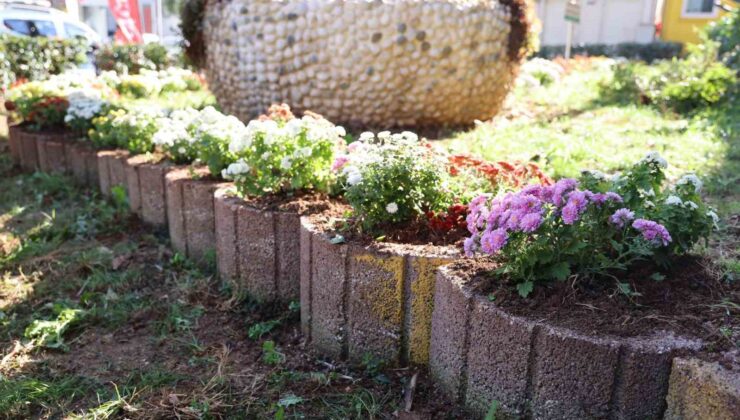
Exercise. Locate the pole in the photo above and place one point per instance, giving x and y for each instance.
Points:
(568, 38)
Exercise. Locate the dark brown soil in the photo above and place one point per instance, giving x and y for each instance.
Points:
(303, 203)
(692, 301)
(413, 234)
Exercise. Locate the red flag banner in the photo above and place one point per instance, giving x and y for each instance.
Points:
(126, 13)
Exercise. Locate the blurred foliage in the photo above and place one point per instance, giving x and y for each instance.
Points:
(37, 58)
(683, 85)
(132, 58)
(726, 32)
(649, 52)
(191, 25)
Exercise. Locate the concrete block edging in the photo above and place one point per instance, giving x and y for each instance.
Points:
(258, 248)
(480, 353)
(373, 299)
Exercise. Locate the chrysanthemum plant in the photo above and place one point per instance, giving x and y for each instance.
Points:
(130, 129)
(593, 229)
(394, 178)
(281, 154)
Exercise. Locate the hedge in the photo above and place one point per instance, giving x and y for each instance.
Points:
(37, 58)
(632, 50)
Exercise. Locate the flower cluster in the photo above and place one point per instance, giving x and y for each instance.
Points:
(553, 231)
(279, 153)
(499, 173)
(213, 133)
(174, 135)
(84, 105)
(132, 129)
(393, 178)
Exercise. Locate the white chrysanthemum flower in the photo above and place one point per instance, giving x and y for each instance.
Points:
(656, 159)
(353, 174)
(713, 215)
(235, 169)
(596, 174)
(691, 179)
(391, 208)
(286, 163)
(690, 204)
(366, 136)
(673, 200)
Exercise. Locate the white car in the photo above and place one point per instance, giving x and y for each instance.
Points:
(31, 20)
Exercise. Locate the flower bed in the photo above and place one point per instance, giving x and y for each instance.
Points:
(281, 172)
(412, 199)
(481, 352)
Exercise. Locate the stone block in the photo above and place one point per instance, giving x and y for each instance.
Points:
(226, 208)
(174, 181)
(153, 192)
(257, 248)
(703, 390)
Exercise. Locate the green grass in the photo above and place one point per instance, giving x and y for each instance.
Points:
(100, 319)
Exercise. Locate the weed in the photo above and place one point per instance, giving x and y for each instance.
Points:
(49, 333)
(256, 331)
(270, 353)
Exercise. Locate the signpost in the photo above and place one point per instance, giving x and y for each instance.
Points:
(572, 16)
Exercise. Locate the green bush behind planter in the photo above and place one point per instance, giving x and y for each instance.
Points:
(37, 58)
(132, 58)
(649, 52)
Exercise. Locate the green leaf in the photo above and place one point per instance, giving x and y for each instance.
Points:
(560, 271)
(492, 410)
(525, 288)
(290, 399)
(657, 277)
(339, 239)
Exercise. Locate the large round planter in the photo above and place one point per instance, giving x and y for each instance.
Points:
(82, 162)
(190, 212)
(703, 390)
(14, 142)
(377, 300)
(50, 151)
(480, 354)
(400, 63)
(259, 248)
(111, 169)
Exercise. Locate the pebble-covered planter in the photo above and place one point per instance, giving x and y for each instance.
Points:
(366, 63)
(259, 248)
(703, 390)
(111, 169)
(373, 299)
(481, 353)
(190, 211)
(82, 162)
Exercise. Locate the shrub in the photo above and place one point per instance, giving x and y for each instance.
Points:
(683, 85)
(133, 58)
(594, 229)
(131, 129)
(42, 104)
(726, 33)
(281, 153)
(37, 58)
(191, 16)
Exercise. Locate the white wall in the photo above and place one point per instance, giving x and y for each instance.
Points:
(602, 21)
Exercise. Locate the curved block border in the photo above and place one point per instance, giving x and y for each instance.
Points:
(134, 186)
(14, 133)
(82, 162)
(703, 390)
(259, 248)
(153, 191)
(190, 212)
(29, 155)
(480, 353)
(111, 172)
(51, 154)
(378, 299)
